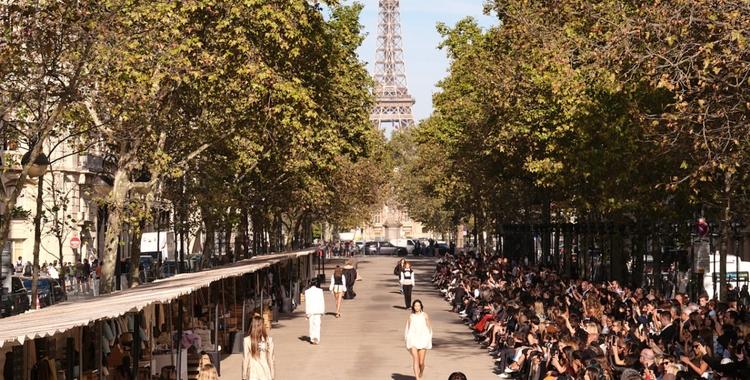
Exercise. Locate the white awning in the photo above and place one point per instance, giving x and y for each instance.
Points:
(65, 316)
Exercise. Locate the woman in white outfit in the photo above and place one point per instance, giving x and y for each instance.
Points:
(338, 288)
(257, 363)
(418, 336)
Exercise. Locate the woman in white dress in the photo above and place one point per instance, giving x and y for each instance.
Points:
(418, 334)
(258, 356)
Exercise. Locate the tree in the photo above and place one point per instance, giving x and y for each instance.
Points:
(697, 54)
(42, 70)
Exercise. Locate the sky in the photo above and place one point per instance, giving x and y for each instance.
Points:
(425, 63)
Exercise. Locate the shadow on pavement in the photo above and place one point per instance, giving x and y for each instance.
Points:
(398, 376)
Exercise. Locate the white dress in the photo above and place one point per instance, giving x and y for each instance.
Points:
(418, 334)
(258, 368)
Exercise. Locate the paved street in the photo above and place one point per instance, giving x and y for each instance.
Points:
(367, 341)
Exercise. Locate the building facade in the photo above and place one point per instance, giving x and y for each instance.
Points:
(391, 223)
(70, 212)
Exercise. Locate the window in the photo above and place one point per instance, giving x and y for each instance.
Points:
(17, 248)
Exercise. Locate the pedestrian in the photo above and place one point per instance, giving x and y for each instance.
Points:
(19, 265)
(315, 308)
(124, 271)
(397, 272)
(70, 273)
(418, 336)
(407, 281)
(97, 275)
(338, 288)
(86, 274)
(52, 271)
(350, 273)
(206, 369)
(258, 355)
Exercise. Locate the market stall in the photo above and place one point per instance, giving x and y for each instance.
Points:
(158, 330)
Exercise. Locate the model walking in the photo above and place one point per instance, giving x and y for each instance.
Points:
(397, 272)
(338, 288)
(407, 281)
(418, 335)
(258, 356)
(315, 307)
(350, 272)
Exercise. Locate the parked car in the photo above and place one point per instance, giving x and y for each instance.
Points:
(168, 269)
(443, 247)
(405, 243)
(16, 299)
(50, 290)
(147, 268)
(386, 248)
(370, 248)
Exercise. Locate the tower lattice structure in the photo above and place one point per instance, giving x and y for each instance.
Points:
(393, 104)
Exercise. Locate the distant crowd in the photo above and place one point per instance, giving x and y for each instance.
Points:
(536, 325)
(81, 277)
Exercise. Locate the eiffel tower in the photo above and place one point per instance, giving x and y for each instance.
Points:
(393, 102)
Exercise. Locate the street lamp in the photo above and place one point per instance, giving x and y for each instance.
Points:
(40, 165)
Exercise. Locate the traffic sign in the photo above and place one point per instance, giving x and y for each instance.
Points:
(75, 242)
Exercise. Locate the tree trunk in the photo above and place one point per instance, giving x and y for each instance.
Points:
(208, 247)
(726, 236)
(546, 231)
(62, 265)
(37, 242)
(228, 241)
(480, 233)
(568, 249)
(245, 231)
(114, 225)
(556, 254)
(135, 253)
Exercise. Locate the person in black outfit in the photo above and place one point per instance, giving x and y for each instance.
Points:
(407, 281)
(350, 273)
(458, 296)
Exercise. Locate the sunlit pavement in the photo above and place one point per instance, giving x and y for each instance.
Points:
(367, 342)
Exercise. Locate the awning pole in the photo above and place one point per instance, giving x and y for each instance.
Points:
(136, 348)
(179, 340)
(99, 352)
(216, 328)
(244, 306)
(170, 326)
(80, 353)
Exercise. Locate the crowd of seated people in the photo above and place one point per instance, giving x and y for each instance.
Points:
(538, 325)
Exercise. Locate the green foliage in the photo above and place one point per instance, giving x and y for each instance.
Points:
(614, 110)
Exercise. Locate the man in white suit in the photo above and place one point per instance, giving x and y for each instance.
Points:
(315, 307)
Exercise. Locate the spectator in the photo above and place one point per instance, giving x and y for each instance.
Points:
(457, 376)
(538, 325)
